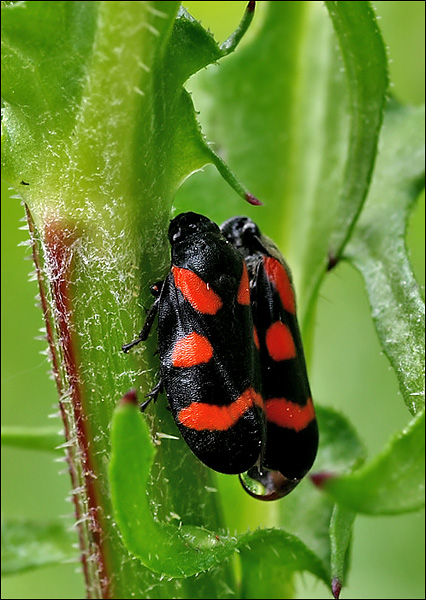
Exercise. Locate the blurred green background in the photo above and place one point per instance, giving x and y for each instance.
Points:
(388, 552)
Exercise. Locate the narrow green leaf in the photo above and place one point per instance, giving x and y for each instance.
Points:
(179, 550)
(295, 110)
(365, 60)
(172, 551)
(29, 545)
(234, 39)
(393, 482)
(340, 446)
(269, 558)
(378, 250)
(341, 527)
(43, 438)
(191, 47)
(311, 514)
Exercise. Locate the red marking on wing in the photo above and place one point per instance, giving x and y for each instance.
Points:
(193, 349)
(290, 415)
(279, 342)
(243, 296)
(201, 416)
(279, 277)
(196, 291)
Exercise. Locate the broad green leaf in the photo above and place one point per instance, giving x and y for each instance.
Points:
(46, 438)
(181, 550)
(102, 94)
(378, 250)
(284, 129)
(391, 483)
(365, 61)
(29, 545)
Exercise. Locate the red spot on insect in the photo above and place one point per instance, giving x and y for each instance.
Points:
(256, 338)
(201, 416)
(193, 349)
(243, 296)
(279, 342)
(196, 291)
(279, 277)
(290, 415)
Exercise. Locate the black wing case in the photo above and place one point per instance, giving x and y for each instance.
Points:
(292, 432)
(209, 364)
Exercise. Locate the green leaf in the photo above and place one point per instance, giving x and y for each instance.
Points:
(180, 550)
(41, 78)
(379, 252)
(43, 438)
(311, 514)
(365, 60)
(78, 83)
(307, 513)
(340, 446)
(341, 527)
(284, 129)
(272, 556)
(393, 482)
(263, 122)
(162, 547)
(29, 545)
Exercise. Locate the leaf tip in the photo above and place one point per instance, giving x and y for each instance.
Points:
(332, 261)
(319, 479)
(336, 587)
(253, 200)
(130, 397)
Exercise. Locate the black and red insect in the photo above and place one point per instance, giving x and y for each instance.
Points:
(209, 364)
(292, 433)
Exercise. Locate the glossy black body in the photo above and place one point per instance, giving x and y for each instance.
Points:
(287, 450)
(198, 246)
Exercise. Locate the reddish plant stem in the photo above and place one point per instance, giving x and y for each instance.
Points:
(59, 261)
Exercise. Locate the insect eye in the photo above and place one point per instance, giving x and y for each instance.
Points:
(250, 229)
(177, 235)
(156, 288)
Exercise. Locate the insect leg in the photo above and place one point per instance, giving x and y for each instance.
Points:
(152, 395)
(144, 333)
